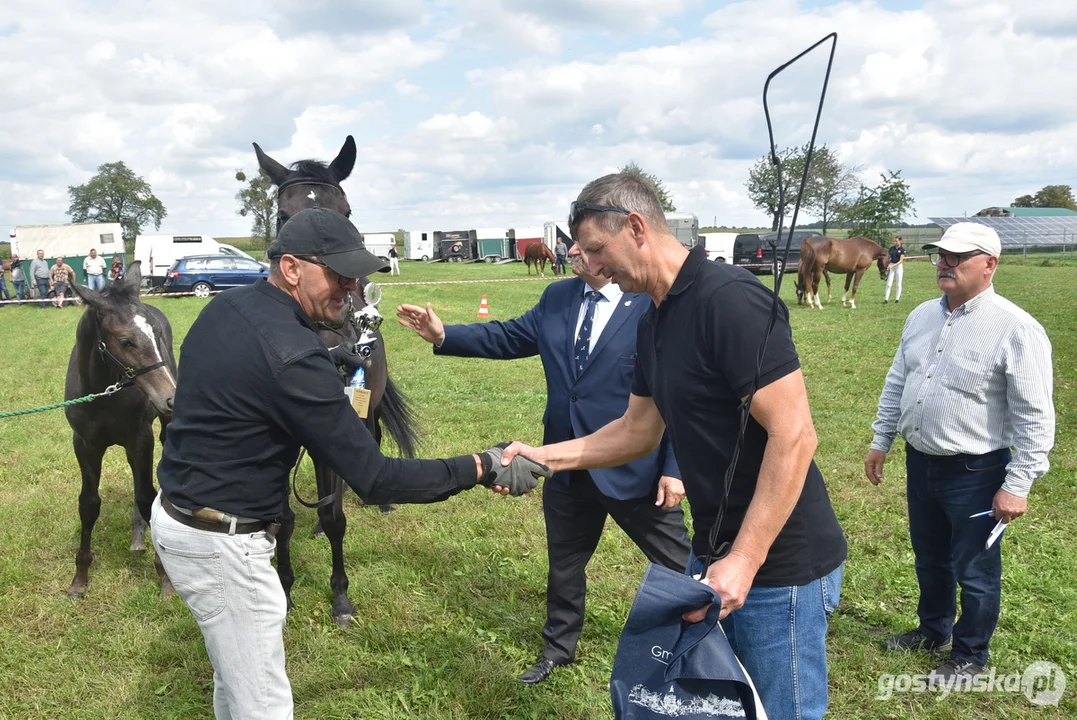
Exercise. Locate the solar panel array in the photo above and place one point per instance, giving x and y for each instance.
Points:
(1020, 231)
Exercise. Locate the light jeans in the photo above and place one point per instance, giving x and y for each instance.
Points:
(897, 272)
(95, 282)
(779, 635)
(234, 593)
(394, 266)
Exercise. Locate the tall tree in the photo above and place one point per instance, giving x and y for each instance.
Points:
(664, 195)
(762, 184)
(258, 202)
(1050, 196)
(116, 194)
(879, 209)
(830, 185)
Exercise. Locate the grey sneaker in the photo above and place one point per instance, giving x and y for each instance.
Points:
(916, 640)
(955, 674)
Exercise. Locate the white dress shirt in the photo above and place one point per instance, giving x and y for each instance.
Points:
(603, 311)
(972, 381)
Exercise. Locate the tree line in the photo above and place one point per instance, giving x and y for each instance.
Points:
(835, 194)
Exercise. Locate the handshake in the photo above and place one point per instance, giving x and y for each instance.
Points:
(519, 477)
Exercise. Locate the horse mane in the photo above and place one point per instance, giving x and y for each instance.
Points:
(315, 170)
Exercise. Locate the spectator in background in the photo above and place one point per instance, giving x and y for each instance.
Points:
(39, 274)
(560, 251)
(18, 278)
(115, 274)
(394, 260)
(4, 294)
(60, 277)
(897, 269)
(94, 267)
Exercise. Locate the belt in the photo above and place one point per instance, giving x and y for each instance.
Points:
(223, 524)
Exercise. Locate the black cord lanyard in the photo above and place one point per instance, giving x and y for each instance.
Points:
(717, 553)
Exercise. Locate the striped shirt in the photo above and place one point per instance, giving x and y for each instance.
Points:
(972, 381)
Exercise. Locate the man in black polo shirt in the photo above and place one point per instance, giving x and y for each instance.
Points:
(697, 355)
(255, 384)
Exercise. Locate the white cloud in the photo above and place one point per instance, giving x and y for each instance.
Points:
(495, 113)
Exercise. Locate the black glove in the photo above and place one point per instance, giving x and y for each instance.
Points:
(344, 357)
(520, 476)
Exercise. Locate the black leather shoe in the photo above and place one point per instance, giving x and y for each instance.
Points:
(538, 672)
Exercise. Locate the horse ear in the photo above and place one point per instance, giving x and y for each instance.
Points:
(276, 172)
(341, 167)
(89, 296)
(132, 281)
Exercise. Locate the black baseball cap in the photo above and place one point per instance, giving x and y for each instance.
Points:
(332, 238)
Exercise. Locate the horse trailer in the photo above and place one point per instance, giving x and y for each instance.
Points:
(522, 237)
(684, 227)
(419, 245)
(456, 245)
(556, 230)
(379, 243)
(493, 244)
(71, 242)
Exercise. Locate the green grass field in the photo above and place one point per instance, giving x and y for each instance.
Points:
(450, 597)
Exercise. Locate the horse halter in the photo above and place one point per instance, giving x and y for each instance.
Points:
(301, 181)
(129, 373)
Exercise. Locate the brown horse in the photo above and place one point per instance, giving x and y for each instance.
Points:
(852, 256)
(538, 254)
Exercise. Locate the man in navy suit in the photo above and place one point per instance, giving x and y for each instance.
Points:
(584, 329)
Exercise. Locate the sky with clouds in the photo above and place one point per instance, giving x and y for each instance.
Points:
(481, 113)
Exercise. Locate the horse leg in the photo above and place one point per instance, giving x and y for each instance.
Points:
(89, 459)
(848, 281)
(375, 429)
(284, 551)
(815, 275)
(829, 295)
(856, 285)
(335, 524)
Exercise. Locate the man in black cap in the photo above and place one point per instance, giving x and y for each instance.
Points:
(256, 383)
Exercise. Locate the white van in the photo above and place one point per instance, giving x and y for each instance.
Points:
(158, 252)
(719, 245)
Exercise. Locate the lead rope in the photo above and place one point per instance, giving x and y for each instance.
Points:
(720, 552)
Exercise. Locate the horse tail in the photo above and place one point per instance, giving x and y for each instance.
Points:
(398, 416)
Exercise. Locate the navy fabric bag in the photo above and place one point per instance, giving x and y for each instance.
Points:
(666, 667)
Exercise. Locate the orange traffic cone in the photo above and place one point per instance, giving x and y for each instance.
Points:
(484, 309)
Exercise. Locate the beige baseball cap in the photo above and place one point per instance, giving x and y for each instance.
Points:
(966, 237)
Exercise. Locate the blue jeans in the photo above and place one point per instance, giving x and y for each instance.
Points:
(949, 546)
(20, 289)
(231, 588)
(4, 294)
(779, 635)
(42, 291)
(95, 282)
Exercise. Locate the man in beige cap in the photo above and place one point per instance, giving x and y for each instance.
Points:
(971, 380)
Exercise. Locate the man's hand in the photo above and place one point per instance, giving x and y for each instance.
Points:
(518, 476)
(345, 357)
(873, 465)
(670, 492)
(731, 577)
(425, 322)
(1008, 507)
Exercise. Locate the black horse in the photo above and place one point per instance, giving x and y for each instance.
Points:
(123, 344)
(310, 183)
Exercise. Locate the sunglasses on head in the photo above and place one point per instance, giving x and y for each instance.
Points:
(578, 207)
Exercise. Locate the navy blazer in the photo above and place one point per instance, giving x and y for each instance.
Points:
(575, 407)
